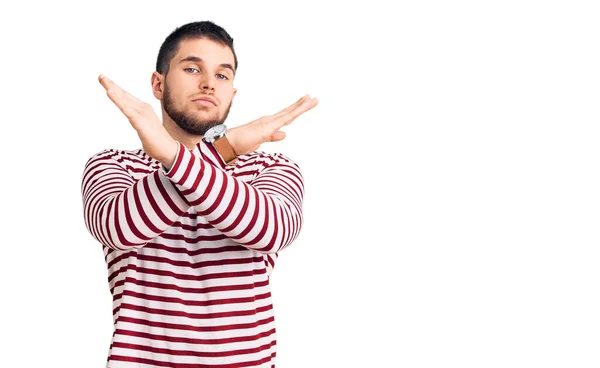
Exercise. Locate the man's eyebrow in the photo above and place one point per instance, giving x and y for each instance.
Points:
(196, 59)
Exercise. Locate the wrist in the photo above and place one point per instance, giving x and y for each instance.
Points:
(170, 154)
(231, 136)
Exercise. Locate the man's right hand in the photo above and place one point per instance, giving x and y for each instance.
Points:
(248, 137)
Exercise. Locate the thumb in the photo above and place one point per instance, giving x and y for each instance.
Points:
(277, 136)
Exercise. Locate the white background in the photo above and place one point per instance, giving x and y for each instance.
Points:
(451, 167)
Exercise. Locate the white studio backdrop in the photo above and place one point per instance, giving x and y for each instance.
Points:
(451, 170)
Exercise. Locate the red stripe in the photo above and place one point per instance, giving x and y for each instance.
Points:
(196, 341)
(129, 210)
(188, 169)
(207, 276)
(167, 198)
(93, 164)
(288, 230)
(219, 197)
(203, 354)
(185, 265)
(279, 218)
(117, 222)
(230, 206)
(201, 264)
(216, 156)
(132, 158)
(98, 199)
(193, 290)
(194, 252)
(200, 225)
(157, 363)
(209, 186)
(277, 189)
(196, 240)
(214, 315)
(108, 233)
(241, 214)
(189, 327)
(137, 170)
(199, 278)
(121, 256)
(178, 159)
(150, 198)
(263, 231)
(117, 272)
(197, 303)
(252, 221)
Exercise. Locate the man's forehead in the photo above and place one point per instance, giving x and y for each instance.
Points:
(204, 49)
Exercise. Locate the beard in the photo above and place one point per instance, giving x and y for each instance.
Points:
(189, 121)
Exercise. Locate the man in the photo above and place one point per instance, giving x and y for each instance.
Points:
(191, 224)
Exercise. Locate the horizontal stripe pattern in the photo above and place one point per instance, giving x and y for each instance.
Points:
(189, 252)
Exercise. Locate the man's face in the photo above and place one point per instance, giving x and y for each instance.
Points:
(198, 88)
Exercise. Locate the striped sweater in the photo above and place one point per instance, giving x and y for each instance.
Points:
(189, 252)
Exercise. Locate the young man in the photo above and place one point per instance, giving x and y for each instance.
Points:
(192, 223)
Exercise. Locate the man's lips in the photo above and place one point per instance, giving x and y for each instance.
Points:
(205, 101)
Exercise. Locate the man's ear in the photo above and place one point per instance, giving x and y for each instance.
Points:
(234, 92)
(158, 84)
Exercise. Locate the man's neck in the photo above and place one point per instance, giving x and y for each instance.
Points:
(183, 137)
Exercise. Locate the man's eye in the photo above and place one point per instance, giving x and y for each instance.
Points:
(188, 70)
(221, 76)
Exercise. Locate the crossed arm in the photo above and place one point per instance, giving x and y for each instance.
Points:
(122, 213)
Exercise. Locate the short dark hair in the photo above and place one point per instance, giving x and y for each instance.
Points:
(204, 29)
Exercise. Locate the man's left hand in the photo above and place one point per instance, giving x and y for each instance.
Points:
(156, 141)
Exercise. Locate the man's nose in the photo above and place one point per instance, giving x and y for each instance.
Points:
(208, 82)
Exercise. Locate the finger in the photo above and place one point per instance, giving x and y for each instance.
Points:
(290, 116)
(125, 108)
(119, 92)
(277, 136)
(119, 96)
(293, 114)
(108, 84)
(292, 106)
(115, 99)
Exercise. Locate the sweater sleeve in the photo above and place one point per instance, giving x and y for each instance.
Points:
(264, 215)
(121, 212)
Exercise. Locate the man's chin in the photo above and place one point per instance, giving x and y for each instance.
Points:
(197, 128)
